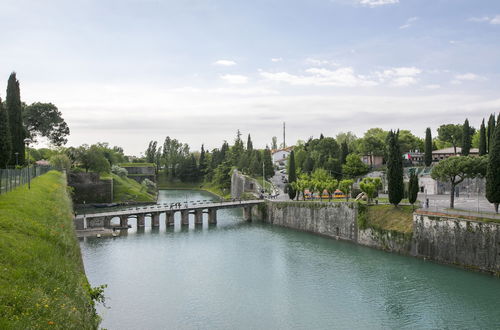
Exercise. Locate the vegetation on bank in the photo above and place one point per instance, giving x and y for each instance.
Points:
(129, 190)
(42, 281)
(386, 218)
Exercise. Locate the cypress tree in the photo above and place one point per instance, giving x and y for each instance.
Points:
(482, 140)
(394, 169)
(493, 170)
(428, 147)
(292, 175)
(466, 138)
(5, 140)
(489, 133)
(13, 105)
(413, 188)
(249, 143)
(268, 163)
(202, 167)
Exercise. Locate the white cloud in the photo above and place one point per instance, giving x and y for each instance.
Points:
(342, 77)
(403, 81)
(400, 76)
(225, 63)
(318, 62)
(376, 3)
(276, 59)
(459, 78)
(234, 78)
(492, 20)
(409, 22)
(433, 86)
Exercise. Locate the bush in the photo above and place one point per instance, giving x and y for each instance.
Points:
(120, 171)
(149, 185)
(60, 162)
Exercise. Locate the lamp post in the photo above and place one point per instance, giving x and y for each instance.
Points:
(27, 143)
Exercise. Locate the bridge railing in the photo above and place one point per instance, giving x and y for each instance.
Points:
(15, 177)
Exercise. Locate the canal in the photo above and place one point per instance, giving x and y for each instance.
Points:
(238, 275)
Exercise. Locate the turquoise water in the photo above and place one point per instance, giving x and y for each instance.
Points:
(239, 275)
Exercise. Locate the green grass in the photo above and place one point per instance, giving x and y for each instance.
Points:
(42, 281)
(388, 217)
(129, 190)
(137, 165)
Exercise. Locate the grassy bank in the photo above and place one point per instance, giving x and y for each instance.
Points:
(42, 281)
(129, 190)
(387, 218)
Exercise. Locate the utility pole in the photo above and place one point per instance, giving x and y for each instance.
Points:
(263, 176)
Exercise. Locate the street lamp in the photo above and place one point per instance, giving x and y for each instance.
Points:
(27, 143)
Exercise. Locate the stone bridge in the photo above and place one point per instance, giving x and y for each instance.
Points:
(103, 219)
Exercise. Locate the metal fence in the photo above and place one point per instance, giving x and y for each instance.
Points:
(12, 178)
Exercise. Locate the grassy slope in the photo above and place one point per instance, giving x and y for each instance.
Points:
(42, 282)
(387, 217)
(129, 190)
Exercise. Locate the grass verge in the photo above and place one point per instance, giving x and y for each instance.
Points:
(42, 281)
(387, 217)
(129, 190)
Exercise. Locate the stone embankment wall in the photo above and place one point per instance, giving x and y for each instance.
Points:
(139, 173)
(90, 188)
(467, 243)
(243, 184)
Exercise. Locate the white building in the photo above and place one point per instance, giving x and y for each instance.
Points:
(281, 155)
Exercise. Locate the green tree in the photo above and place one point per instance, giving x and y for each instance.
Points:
(202, 167)
(292, 175)
(394, 169)
(493, 170)
(274, 143)
(428, 147)
(451, 133)
(482, 140)
(5, 140)
(249, 143)
(370, 186)
(151, 152)
(45, 120)
(466, 138)
(346, 186)
(344, 151)
(458, 168)
(490, 130)
(268, 163)
(354, 167)
(331, 186)
(14, 110)
(413, 188)
(60, 162)
(222, 175)
(409, 142)
(373, 143)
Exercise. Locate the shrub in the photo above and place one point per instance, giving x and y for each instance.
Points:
(60, 162)
(120, 171)
(149, 185)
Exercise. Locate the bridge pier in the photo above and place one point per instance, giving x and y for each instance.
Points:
(212, 216)
(124, 221)
(140, 220)
(185, 217)
(155, 220)
(198, 217)
(247, 213)
(169, 219)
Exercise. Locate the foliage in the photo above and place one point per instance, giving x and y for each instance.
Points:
(60, 162)
(292, 175)
(373, 143)
(5, 139)
(274, 143)
(346, 186)
(129, 190)
(394, 169)
(120, 171)
(354, 167)
(409, 142)
(490, 131)
(44, 119)
(43, 283)
(458, 168)
(428, 147)
(482, 140)
(14, 111)
(493, 170)
(451, 133)
(413, 188)
(149, 185)
(370, 186)
(467, 133)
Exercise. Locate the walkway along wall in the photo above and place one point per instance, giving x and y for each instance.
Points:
(464, 243)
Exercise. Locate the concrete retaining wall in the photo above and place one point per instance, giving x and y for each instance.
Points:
(90, 188)
(242, 184)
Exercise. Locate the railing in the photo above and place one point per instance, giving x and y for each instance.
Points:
(12, 178)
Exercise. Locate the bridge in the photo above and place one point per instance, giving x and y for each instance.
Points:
(198, 208)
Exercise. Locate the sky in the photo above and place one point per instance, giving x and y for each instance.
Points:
(129, 71)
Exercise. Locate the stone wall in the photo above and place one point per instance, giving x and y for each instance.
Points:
(139, 173)
(387, 240)
(467, 243)
(243, 184)
(90, 188)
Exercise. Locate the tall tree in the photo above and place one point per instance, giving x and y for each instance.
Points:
(482, 140)
(5, 140)
(268, 163)
(451, 133)
(413, 188)
(202, 167)
(466, 138)
(489, 132)
(274, 143)
(151, 152)
(493, 170)
(292, 175)
(394, 169)
(428, 147)
(249, 143)
(14, 110)
(344, 151)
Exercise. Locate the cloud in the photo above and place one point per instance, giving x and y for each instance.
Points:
(225, 63)
(276, 59)
(342, 77)
(318, 62)
(400, 76)
(433, 86)
(234, 78)
(492, 20)
(409, 22)
(376, 3)
(459, 78)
